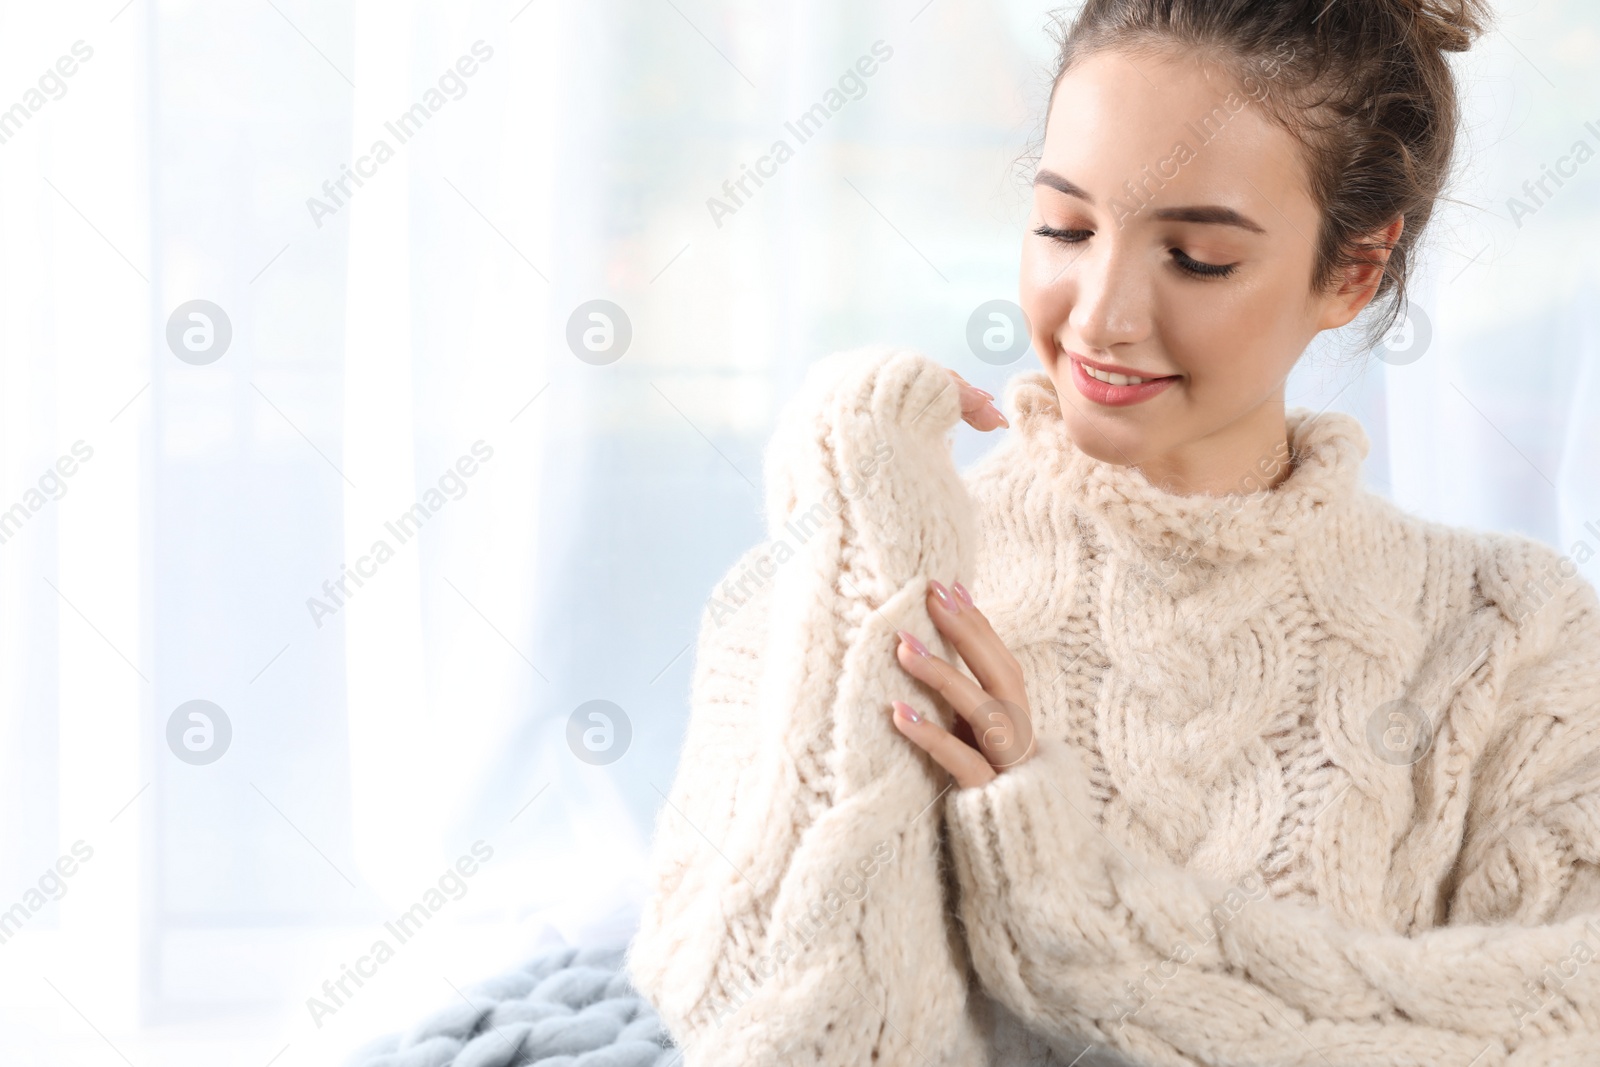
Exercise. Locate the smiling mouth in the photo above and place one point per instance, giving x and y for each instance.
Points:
(1116, 375)
(1111, 378)
(1115, 388)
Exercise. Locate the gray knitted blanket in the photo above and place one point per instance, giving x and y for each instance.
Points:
(571, 1007)
(567, 1007)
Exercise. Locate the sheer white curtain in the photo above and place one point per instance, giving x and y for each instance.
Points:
(1492, 422)
(399, 372)
(75, 669)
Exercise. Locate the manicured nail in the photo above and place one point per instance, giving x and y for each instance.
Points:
(1003, 420)
(911, 639)
(985, 392)
(907, 712)
(945, 599)
(961, 591)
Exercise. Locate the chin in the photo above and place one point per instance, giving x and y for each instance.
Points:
(1107, 440)
(1106, 435)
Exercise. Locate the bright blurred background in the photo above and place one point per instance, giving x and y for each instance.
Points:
(183, 485)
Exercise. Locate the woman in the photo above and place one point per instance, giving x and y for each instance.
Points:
(1199, 753)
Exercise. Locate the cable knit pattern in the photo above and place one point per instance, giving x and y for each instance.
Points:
(802, 832)
(1317, 781)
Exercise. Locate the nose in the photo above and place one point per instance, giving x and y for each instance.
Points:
(1114, 298)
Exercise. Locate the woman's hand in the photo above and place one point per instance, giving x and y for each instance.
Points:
(993, 729)
(977, 406)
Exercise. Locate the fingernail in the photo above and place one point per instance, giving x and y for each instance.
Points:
(945, 599)
(907, 712)
(961, 591)
(911, 639)
(985, 392)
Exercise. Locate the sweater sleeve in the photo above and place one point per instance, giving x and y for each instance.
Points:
(797, 909)
(1077, 937)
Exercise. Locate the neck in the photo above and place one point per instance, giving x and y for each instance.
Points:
(1038, 465)
(1248, 455)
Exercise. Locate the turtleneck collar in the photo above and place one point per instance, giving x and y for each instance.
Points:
(1326, 452)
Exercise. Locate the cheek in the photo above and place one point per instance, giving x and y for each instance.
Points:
(1043, 286)
(1231, 337)
(1028, 278)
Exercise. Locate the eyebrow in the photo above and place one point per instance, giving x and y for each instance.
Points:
(1209, 213)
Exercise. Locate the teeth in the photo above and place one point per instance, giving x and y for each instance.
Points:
(1109, 378)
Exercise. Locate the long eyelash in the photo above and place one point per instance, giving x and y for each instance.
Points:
(1192, 267)
(1201, 270)
(1070, 237)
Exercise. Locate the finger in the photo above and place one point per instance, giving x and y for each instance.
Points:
(964, 762)
(963, 731)
(984, 417)
(957, 375)
(978, 410)
(1000, 729)
(980, 648)
(977, 405)
(958, 690)
(1005, 733)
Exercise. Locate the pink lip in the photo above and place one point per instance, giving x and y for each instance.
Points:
(1115, 395)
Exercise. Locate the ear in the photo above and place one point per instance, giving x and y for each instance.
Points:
(1359, 282)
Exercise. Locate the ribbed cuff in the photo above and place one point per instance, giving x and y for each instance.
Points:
(1024, 834)
(1026, 822)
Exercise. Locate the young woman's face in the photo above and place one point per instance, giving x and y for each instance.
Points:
(1171, 237)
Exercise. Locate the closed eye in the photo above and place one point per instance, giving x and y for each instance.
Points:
(1195, 267)
(1181, 259)
(1070, 237)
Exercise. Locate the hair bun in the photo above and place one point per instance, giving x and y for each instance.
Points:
(1446, 25)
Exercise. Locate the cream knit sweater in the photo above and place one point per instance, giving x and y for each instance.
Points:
(1317, 782)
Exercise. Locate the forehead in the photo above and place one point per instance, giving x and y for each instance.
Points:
(1187, 119)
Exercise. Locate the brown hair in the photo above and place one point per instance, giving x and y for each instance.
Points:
(1364, 85)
